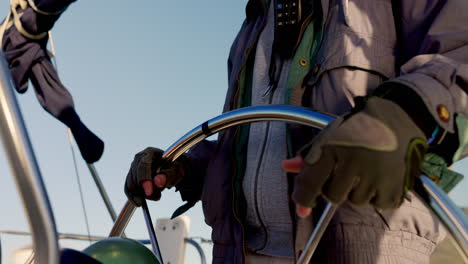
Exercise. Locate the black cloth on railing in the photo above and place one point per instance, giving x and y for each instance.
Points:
(28, 60)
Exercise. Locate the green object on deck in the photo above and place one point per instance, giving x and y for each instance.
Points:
(117, 250)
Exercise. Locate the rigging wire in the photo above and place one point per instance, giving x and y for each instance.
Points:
(52, 55)
(79, 185)
(31, 258)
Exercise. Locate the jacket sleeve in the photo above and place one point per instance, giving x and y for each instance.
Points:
(190, 187)
(433, 46)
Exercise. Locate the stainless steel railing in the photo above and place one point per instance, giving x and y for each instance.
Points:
(226, 120)
(26, 172)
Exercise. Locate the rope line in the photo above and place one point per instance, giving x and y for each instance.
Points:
(17, 8)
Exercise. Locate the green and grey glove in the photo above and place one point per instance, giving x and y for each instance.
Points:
(370, 156)
(145, 166)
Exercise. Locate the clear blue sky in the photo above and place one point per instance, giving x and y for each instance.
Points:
(141, 73)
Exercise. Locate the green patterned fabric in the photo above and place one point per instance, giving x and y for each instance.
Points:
(306, 51)
(241, 139)
(435, 167)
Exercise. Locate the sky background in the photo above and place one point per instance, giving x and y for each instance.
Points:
(142, 73)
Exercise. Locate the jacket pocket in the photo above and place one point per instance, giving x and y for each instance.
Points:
(353, 59)
(358, 34)
(349, 49)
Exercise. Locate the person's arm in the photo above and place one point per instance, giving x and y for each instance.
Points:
(373, 154)
(190, 188)
(433, 46)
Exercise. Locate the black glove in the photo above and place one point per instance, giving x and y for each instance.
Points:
(145, 166)
(371, 156)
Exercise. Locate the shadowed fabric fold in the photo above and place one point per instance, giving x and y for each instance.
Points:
(29, 60)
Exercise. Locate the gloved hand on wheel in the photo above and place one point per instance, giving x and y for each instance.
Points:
(149, 175)
(371, 156)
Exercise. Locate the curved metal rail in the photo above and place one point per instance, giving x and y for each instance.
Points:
(240, 116)
(122, 220)
(450, 215)
(198, 248)
(26, 172)
(102, 191)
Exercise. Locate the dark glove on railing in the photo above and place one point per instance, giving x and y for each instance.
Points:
(370, 156)
(145, 166)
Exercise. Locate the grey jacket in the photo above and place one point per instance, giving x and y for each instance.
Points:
(359, 50)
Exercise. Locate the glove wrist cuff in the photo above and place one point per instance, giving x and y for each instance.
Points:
(411, 103)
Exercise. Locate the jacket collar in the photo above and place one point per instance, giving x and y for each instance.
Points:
(256, 8)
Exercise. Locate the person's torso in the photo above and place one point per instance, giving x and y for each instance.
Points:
(356, 54)
(268, 220)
